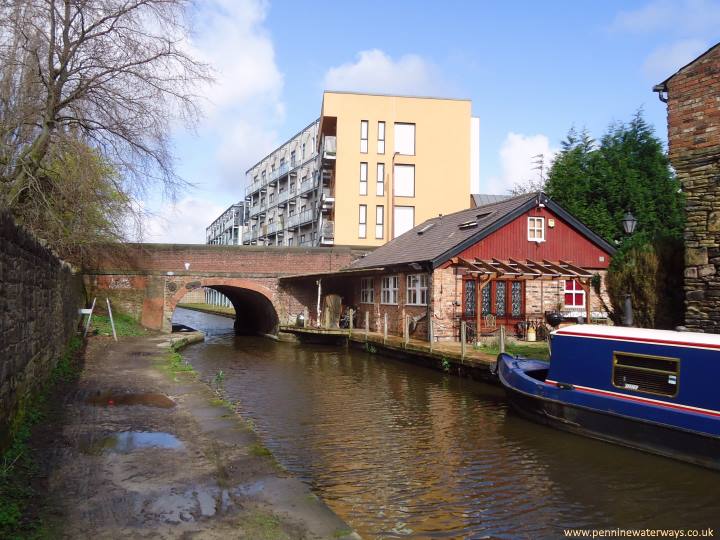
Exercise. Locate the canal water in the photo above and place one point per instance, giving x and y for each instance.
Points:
(400, 451)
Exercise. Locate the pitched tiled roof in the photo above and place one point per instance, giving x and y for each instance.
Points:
(481, 199)
(433, 238)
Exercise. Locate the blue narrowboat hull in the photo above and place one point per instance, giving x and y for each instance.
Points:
(679, 434)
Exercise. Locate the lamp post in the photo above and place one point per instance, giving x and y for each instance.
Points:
(628, 223)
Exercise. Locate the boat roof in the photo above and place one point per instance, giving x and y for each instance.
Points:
(644, 335)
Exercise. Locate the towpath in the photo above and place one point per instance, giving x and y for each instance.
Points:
(145, 451)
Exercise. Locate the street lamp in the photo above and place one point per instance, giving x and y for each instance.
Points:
(628, 223)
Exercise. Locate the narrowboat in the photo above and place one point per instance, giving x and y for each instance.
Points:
(652, 390)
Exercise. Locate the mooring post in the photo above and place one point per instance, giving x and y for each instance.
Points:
(502, 338)
(367, 324)
(406, 330)
(306, 315)
(351, 314)
(463, 332)
(385, 330)
(431, 333)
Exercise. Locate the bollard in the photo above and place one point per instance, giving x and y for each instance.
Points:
(385, 330)
(431, 332)
(502, 339)
(351, 314)
(406, 331)
(367, 324)
(306, 315)
(463, 332)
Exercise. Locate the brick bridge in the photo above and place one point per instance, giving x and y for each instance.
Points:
(148, 280)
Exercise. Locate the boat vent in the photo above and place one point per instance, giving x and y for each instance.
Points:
(649, 374)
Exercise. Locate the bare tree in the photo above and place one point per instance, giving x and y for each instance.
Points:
(113, 75)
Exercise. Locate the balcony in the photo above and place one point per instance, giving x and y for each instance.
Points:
(283, 197)
(306, 186)
(329, 147)
(327, 233)
(327, 199)
(249, 236)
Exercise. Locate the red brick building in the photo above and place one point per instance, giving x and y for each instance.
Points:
(693, 98)
(496, 264)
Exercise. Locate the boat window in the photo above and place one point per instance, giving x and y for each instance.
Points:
(648, 374)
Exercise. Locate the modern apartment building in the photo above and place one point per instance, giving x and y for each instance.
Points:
(369, 169)
(227, 228)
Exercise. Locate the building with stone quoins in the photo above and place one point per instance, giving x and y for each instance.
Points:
(693, 99)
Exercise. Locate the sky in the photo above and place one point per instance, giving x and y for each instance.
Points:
(532, 70)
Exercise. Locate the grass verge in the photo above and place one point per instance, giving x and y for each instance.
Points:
(125, 325)
(20, 501)
(537, 349)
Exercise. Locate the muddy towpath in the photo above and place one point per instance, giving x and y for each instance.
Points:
(147, 450)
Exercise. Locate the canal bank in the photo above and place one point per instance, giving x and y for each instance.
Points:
(147, 449)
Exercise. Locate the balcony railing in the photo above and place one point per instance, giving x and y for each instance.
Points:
(329, 147)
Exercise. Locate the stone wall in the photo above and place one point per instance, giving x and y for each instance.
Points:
(39, 301)
(694, 139)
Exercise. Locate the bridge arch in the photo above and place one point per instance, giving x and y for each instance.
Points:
(256, 310)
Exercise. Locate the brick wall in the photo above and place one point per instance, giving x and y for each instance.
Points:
(39, 301)
(694, 139)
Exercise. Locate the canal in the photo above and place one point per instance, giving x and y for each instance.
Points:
(402, 451)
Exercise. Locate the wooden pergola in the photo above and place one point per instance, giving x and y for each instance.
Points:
(489, 270)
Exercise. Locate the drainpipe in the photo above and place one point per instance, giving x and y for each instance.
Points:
(391, 196)
(319, 285)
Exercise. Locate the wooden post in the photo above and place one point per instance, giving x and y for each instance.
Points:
(406, 330)
(463, 332)
(367, 324)
(306, 316)
(112, 322)
(431, 331)
(502, 338)
(351, 314)
(385, 330)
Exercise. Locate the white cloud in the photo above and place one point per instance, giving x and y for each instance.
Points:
(685, 18)
(666, 60)
(518, 160)
(375, 71)
(181, 223)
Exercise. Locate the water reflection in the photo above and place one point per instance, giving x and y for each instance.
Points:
(400, 451)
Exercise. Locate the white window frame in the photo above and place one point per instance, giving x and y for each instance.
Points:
(380, 185)
(389, 290)
(362, 221)
(364, 128)
(535, 225)
(397, 209)
(576, 290)
(417, 286)
(367, 290)
(401, 148)
(379, 221)
(410, 193)
(363, 178)
(381, 138)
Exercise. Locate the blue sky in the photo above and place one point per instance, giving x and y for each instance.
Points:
(532, 70)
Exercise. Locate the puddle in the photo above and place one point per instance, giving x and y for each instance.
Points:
(111, 399)
(127, 441)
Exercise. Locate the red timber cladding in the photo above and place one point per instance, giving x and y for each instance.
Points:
(561, 242)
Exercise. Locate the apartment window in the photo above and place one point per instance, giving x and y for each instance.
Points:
(389, 290)
(367, 291)
(292, 158)
(363, 136)
(302, 208)
(379, 221)
(404, 181)
(403, 219)
(271, 198)
(271, 220)
(381, 138)
(303, 152)
(536, 229)
(363, 178)
(302, 239)
(405, 139)
(314, 236)
(417, 290)
(574, 294)
(290, 241)
(362, 229)
(380, 186)
(263, 177)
